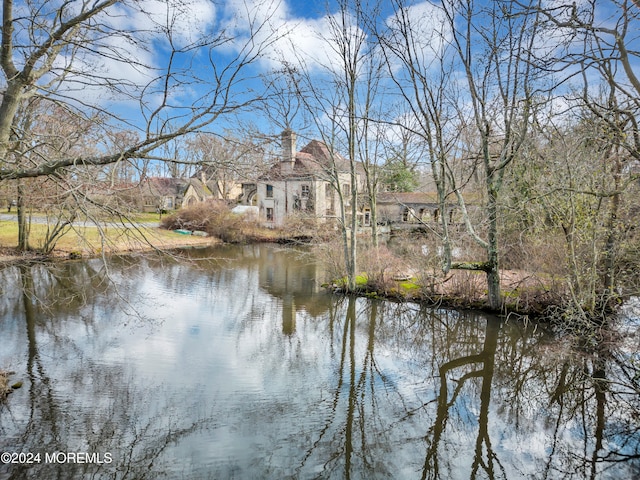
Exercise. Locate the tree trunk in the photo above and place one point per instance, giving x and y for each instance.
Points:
(373, 219)
(612, 234)
(493, 273)
(23, 226)
(354, 232)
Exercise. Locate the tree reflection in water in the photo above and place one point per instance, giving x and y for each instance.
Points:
(500, 401)
(119, 420)
(305, 385)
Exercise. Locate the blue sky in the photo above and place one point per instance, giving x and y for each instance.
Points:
(296, 24)
(294, 30)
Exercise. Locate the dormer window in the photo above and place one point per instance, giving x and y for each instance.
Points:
(269, 191)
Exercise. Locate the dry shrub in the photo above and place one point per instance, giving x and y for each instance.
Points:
(543, 253)
(531, 292)
(466, 286)
(303, 225)
(215, 218)
(331, 255)
(196, 217)
(381, 266)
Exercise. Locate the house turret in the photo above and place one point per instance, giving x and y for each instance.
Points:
(288, 139)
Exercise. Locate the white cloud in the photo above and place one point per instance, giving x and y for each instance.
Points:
(298, 41)
(131, 50)
(427, 26)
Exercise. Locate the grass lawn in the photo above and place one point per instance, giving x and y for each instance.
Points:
(91, 240)
(146, 217)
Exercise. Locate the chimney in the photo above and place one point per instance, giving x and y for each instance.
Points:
(288, 151)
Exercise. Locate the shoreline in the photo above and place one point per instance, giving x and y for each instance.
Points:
(526, 294)
(10, 255)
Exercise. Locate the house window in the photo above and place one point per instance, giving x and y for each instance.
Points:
(408, 215)
(269, 214)
(269, 191)
(367, 218)
(305, 191)
(346, 189)
(329, 198)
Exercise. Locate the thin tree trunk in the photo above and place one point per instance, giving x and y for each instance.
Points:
(493, 273)
(23, 227)
(612, 234)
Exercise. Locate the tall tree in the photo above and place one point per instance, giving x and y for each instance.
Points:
(466, 67)
(81, 54)
(494, 44)
(598, 52)
(416, 45)
(346, 96)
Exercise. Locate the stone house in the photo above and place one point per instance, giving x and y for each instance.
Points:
(303, 183)
(160, 193)
(406, 208)
(196, 191)
(209, 184)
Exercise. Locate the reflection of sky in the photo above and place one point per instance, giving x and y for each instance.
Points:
(271, 405)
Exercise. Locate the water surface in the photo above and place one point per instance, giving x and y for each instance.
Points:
(241, 366)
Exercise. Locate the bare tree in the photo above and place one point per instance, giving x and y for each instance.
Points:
(80, 54)
(284, 104)
(225, 161)
(598, 53)
(497, 61)
(346, 97)
(466, 67)
(416, 39)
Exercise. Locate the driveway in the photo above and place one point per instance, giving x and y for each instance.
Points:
(41, 219)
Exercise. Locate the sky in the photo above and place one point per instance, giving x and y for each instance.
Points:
(282, 29)
(170, 30)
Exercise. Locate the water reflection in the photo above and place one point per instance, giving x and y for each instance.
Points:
(72, 409)
(237, 365)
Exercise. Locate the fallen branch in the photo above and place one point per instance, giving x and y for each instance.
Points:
(474, 266)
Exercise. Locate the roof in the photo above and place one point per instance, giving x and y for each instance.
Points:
(407, 197)
(163, 186)
(315, 159)
(202, 190)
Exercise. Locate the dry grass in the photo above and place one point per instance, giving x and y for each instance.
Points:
(91, 240)
(216, 219)
(5, 389)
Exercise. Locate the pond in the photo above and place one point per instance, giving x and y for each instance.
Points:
(237, 364)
